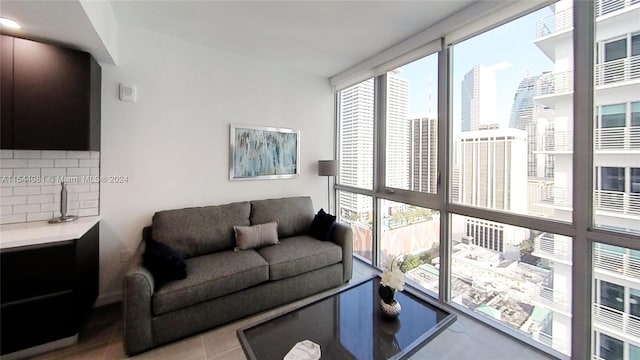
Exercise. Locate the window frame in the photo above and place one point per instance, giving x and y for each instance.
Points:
(581, 229)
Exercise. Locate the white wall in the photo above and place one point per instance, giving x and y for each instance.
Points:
(173, 143)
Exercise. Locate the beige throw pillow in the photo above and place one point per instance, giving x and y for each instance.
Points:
(250, 237)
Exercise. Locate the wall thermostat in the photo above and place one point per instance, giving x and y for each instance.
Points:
(127, 92)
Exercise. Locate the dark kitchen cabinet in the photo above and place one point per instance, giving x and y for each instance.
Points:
(50, 97)
(47, 290)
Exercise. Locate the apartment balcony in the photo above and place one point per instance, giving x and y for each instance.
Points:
(605, 140)
(558, 197)
(556, 248)
(615, 73)
(619, 138)
(611, 202)
(551, 87)
(612, 319)
(555, 300)
(617, 11)
(618, 202)
(553, 28)
(621, 263)
(550, 341)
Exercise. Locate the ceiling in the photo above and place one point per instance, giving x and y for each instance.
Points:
(318, 37)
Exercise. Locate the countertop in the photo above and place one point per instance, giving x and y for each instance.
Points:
(41, 232)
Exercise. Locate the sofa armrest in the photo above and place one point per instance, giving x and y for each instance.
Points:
(343, 236)
(137, 294)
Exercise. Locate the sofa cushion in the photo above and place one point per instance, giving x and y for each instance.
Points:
(211, 276)
(256, 236)
(198, 231)
(294, 214)
(299, 254)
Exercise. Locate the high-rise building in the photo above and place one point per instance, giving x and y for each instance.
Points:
(356, 121)
(398, 132)
(616, 202)
(478, 98)
(493, 169)
(356, 147)
(493, 175)
(523, 104)
(424, 154)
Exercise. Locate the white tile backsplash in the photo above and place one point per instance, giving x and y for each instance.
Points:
(79, 171)
(66, 163)
(94, 163)
(79, 154)
(26, 173)
(14, 163)
(40, 163)
(27, 154)
(24, 209)
(26, 190)
(15, 218)
(54, 154)
(30, 184)
(53, 172)
(39, 199)
(13, 200)
(39, 216)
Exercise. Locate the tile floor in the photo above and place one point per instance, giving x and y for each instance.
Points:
(101, 339)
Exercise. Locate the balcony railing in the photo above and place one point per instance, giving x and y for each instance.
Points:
(559, 196)
(563, 19)
(617, 201)
(611, 201)
(552, 84)
(604, 316)
(550, 341)
(615, 71)
(621, 263)
(552, 247)
(554, 299)
(604, 7)
(559, 21)
(619, 138)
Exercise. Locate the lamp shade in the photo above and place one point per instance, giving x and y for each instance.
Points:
(328, 167)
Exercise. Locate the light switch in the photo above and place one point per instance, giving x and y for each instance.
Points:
(127, 92)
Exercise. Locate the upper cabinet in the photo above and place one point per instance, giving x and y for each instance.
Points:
(50, 97)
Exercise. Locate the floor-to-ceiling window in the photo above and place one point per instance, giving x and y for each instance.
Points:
(480, 176)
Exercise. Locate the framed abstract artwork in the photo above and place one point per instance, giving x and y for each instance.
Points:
(258, 152)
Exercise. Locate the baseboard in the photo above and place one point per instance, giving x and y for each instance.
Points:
(108, 299)
(42, 348)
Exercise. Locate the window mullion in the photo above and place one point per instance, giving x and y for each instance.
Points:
(444, 125)
(583, 56)
(379, 160)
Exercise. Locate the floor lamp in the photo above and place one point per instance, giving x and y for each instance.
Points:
(328, 168)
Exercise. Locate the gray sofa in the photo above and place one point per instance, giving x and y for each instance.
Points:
(223, 285)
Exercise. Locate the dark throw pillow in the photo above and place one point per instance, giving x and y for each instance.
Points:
(164, 262)
(322, 225)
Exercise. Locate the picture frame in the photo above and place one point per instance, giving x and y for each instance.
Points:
(258, 152)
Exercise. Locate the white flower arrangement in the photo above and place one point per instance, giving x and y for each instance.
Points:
(392, 279)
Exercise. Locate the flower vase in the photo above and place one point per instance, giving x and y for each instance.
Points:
(391, 311)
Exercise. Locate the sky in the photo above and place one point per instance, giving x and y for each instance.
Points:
(509, 49)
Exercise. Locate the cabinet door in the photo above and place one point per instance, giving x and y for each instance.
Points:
(51, 97)
(6, 97)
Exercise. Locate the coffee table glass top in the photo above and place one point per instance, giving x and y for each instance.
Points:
(350, 325)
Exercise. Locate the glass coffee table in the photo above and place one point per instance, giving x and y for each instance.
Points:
(349, 325)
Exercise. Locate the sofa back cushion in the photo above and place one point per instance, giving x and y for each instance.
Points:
(198, 231)
(293, 214)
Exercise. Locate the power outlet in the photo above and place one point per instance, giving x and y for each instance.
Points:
(125, 256)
